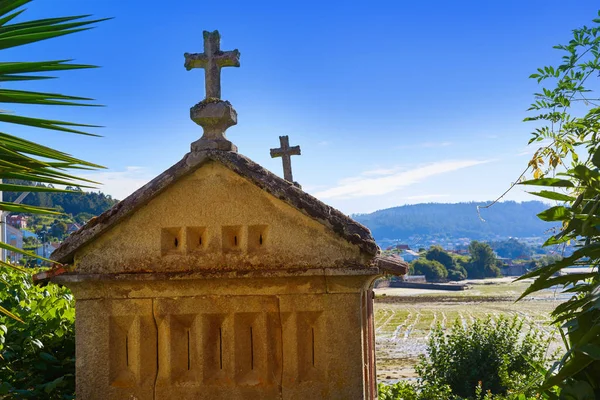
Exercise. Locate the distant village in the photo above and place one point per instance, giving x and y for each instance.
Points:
(31, 234)
(513, 256)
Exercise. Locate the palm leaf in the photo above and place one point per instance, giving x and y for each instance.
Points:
(25, 67)
(14, 41)
(8, 313)
(8, 247)
(10, 17)
(45, 123)
(23, 97)
(11, 5)
(25, 146)
(19, 30)
(6, 187)
(12, 266)
(22, 159)
(26, 209)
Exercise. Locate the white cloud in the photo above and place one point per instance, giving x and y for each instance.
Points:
(380, 171)
(120, 184)
(385, 182)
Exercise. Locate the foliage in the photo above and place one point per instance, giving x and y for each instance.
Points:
(483, 261)
(437, 253)
(38, 353)
(566, 166)
(439, 265)
(58, 228)
(512, 248)
(457, 221)
(75, 202)
(408, 391)
(456, 272)
(433, 270)
(498, 355)
(398, 391)
(20, 158)
(543, 261)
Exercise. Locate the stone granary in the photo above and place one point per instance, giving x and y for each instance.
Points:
(220, 280)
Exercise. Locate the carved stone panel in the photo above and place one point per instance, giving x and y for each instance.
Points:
(116, 349)
(214, 347)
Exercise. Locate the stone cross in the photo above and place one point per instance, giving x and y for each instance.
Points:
(212, 60)
(285, 152)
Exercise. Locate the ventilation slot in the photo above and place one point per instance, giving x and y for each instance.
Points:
(196, 239)
(313, 346)
(220, 348)
(188, 350)
(232, 238)
(251, 350)
(258, 237)
(214, 348)
(170, 240)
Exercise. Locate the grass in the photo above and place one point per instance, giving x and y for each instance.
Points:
(404, 318)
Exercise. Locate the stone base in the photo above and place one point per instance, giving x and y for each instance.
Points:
(217, 144)
(214, 116)
(214, 113)
(309, 337)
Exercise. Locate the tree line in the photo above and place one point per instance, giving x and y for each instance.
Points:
(75, 202)
(438, 265)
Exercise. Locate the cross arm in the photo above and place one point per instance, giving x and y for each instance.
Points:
(196, 60)
(228, 58)
(277, 153)
(294, 151)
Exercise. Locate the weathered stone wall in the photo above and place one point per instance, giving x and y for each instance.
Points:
(302, 337)
(196, 224)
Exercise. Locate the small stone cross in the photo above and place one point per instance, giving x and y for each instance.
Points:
(212, 60)
(285, 152)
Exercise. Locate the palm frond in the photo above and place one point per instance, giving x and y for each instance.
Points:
(25, 160)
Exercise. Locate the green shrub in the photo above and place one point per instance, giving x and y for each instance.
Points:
(457, 274)
(38, 354)
(434, 271)
(498, 355)
(398, 391)
(408, 391)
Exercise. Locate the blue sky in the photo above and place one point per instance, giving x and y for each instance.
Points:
(392, 102)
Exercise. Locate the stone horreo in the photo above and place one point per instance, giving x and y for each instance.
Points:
(220, 280)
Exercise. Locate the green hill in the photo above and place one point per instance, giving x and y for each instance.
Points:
(458, 220)
(79, 202)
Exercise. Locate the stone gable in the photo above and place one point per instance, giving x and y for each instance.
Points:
(214, 219)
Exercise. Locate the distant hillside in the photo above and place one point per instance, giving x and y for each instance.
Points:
(457, 220)
(79, 202)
